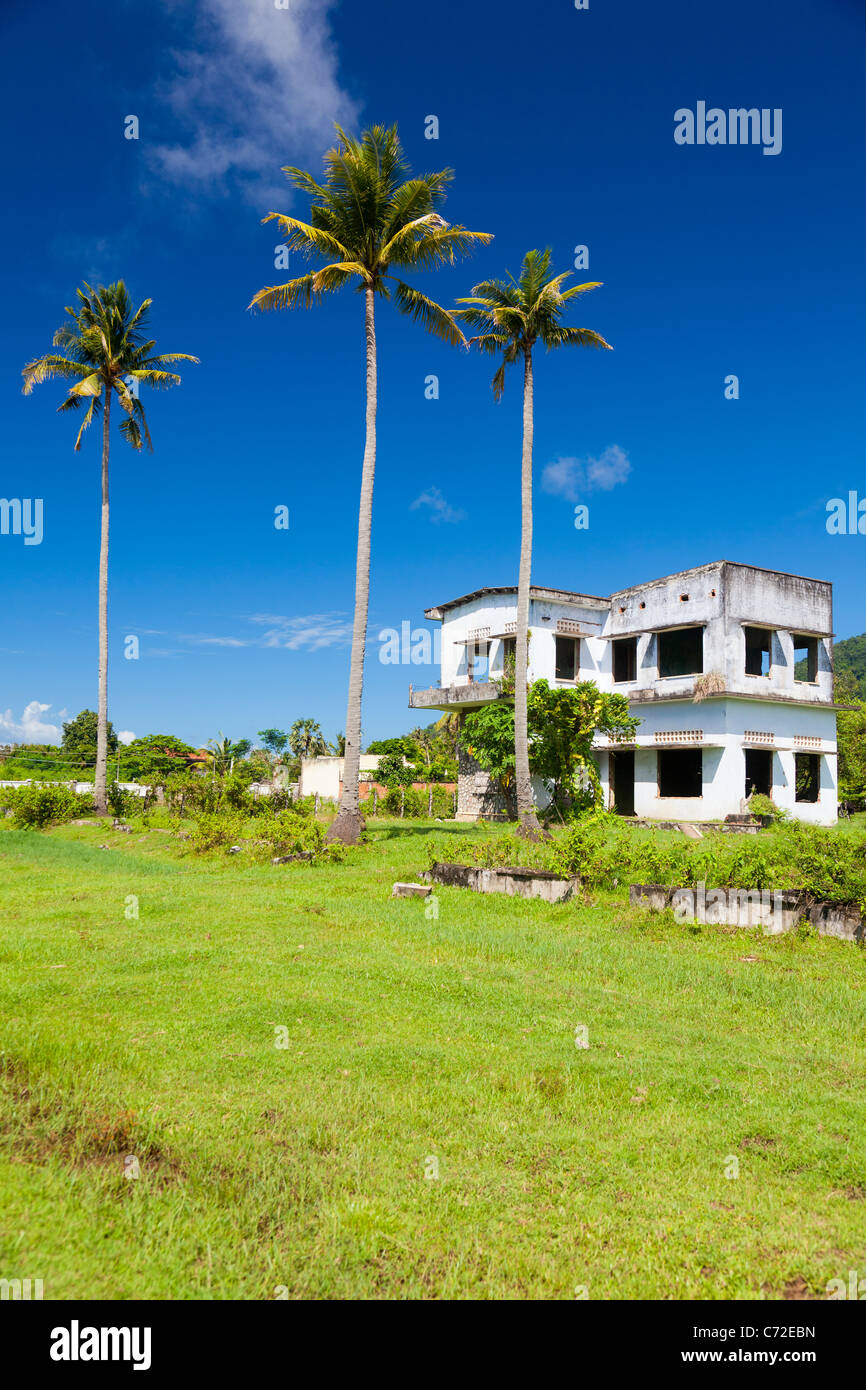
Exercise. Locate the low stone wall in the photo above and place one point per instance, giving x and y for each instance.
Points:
(775, 912)
(514, 881)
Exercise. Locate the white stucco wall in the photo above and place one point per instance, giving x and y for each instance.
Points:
(323, 775)
(728, 727)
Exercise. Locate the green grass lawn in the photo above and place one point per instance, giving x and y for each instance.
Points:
(431, 1129)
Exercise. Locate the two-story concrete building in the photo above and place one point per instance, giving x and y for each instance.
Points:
(727, 666)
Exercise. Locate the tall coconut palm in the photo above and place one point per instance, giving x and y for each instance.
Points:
(512, 316)
(105, 351)
(367, 216)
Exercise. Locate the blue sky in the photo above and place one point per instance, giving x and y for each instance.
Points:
(559, 123)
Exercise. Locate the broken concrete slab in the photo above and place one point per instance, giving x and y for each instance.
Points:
(774, 911)
(690, 831)
(411, 890)
(514, 881)
(842, 920)
(652, 896)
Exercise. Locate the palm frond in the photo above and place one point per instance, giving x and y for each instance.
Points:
(434, 318)
(51, 365)
(287, 296)
(333, 277)
(304, 237)
(92, 410)
(154, 376)
(562, 336)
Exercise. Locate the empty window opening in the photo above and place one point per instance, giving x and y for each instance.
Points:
(641, 604)
(759, 772)
(759, 657)
(507, 649)
(681, 772)
(681, 652)
(476, 661)
(807, 776)
(805, 658)
(684, 598)
(567, 658)
(624, 659)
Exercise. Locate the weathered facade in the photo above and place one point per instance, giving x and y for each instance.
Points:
(727, 666)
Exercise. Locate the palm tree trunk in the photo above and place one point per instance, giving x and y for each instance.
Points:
(101, 774)
(349, 823)
(523, 783)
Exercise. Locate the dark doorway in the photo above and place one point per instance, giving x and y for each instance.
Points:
(622, 782)
(759, 771)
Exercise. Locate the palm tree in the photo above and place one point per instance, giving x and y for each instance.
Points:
(512, 316)
(366, 217)
(223, 753)
(306, 739)
(105, 351)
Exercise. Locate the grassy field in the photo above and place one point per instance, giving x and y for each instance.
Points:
(430, 1129)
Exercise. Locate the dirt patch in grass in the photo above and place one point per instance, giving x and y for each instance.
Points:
(36, 1127)
(758, 1141)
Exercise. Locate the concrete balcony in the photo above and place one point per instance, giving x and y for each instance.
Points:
(471, 695)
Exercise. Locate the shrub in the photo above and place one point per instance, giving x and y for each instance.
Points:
(289, 833)
(215, 831)
(760, 805)
(124, 802)
(37, 806)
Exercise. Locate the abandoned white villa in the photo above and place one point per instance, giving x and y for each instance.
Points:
(727, 666)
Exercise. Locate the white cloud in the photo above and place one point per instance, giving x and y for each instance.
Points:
(440, 509)
(30, 728)
(314, 631)
(574, 478)
(259, 89)
(203, 640)
(125, 736)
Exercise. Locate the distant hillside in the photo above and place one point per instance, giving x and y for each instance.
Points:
(850, 655)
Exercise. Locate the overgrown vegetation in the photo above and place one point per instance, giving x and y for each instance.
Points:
(285, 1062)
(562, 724)
(826, 863)
(35, 807)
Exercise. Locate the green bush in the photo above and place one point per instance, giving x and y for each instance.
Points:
(288, 833)
(123, 802)
(819, 861)
(37, 806)
(216, 830)
(760, 805)
(415, 805)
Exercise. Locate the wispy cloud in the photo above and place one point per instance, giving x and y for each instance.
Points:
(258, 89)
(31, 727)
(201, 639)
(125, 736)
(314, 631)
(439, 509)
(574, 478)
